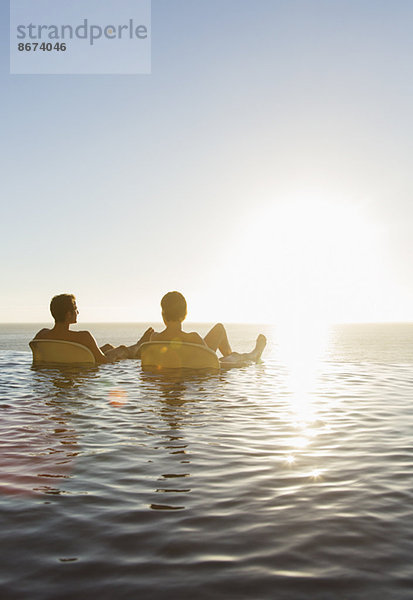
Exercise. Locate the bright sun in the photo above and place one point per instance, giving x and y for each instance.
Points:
(308, 261)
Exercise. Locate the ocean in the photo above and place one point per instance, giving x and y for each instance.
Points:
(288, 479)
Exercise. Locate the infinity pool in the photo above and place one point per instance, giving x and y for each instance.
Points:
(275, 480)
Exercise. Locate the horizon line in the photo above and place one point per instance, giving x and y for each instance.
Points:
(272, 324)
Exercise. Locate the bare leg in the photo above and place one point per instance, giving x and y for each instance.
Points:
(254, 355)
(217, 339)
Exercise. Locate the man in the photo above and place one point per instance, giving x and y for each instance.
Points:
(64, 311)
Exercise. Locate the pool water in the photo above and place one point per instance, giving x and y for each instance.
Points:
(288, 479)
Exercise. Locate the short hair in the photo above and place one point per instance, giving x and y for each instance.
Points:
(61, 305)
(173, 306)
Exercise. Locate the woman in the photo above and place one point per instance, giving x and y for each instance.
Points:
(174, 310)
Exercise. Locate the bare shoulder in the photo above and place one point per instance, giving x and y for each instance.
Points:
(84, 336)
(42, 334)
(85, 333)
(194, 338)
(155, 336)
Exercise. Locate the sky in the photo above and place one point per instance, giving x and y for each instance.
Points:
(263, 168)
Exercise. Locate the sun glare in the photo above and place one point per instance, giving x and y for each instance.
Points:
(311, 257)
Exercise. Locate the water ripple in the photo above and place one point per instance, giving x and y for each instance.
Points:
(227, 486)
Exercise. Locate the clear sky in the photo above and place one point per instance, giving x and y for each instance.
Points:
(264, 169)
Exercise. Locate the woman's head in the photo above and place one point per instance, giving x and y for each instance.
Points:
(173, 307)
(63, 307)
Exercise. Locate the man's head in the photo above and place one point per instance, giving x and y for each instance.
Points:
(63, 308)
(173, 307)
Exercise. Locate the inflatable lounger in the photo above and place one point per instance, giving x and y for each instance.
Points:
(177, 355)
(59, 351)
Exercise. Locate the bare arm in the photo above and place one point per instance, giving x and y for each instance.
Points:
(89, 341)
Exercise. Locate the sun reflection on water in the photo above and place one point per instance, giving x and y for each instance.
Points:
(301, 351)
(316, 474)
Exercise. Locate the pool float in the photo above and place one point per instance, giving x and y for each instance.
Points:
(177, 355)
(60, 352)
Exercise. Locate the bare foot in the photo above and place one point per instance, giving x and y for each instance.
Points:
(259, 347)
(235, 359)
